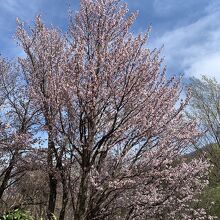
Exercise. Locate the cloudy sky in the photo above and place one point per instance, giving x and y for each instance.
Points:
(188, 29)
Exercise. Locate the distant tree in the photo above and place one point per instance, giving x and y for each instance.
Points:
(115, 134)
(205, 108)
(15, 125)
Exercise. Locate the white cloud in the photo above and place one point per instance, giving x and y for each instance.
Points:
(195, 48)
(208, 65)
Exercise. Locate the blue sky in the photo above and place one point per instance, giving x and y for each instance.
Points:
(188, 29)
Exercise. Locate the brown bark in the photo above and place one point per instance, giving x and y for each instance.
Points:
(80, 212)
(52, 180)
(81, 204)
(7, 175)
(6, 179)
(64, 197)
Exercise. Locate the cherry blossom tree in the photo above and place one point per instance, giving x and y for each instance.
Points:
(15, 126)
(116, 136)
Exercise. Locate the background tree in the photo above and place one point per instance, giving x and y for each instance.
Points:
(205, 108)
(14, 127)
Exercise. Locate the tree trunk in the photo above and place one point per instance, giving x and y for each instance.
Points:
(5, 180)
(52, 180)
(82, 197)
(65, 196)
(7, 175)
(52, 196)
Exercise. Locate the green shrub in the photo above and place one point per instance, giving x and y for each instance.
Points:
(16, 214)
(210, 200)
